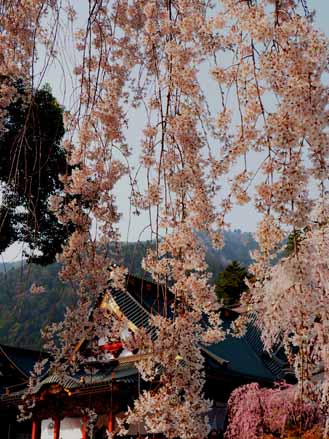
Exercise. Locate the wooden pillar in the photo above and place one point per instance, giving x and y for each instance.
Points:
(84, 427)
(110, 426)
(36, 430)
(57, 425)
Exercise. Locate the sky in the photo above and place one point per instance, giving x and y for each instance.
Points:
(244, 218)
(322, 14)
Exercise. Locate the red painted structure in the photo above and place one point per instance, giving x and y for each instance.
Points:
(57, 428)
(112, 347)
(36, 430)
(84, 428)
(110, 426)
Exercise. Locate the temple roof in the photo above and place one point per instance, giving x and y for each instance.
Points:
(242, 356)
(124, 372)
(246, 356)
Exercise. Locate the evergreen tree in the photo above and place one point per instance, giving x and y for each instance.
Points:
(31, 159)
(231, 283)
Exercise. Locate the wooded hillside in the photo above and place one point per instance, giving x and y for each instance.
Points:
(23, 314)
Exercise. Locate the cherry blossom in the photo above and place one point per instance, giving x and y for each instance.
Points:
(196, 161)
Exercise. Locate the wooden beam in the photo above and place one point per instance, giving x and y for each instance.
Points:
(57, 426)
(110, 425)
(84, 427)
(36, 430)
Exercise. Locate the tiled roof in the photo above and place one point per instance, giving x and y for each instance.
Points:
(125, 372)
(253, 337)
(243, 356)
(246, 357)
(131, 308)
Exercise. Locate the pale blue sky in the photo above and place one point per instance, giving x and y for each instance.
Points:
(243, 218)
(322, 13)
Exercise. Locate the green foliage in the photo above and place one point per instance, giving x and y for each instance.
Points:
(132, 254)
(22, 314)
(31, 159)
(230, 283)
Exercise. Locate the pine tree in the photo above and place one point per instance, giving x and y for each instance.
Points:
(231, 283)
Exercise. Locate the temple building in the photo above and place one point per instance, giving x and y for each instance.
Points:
(108, 386)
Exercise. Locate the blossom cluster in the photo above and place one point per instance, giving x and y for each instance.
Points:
(255, 412)
(268, 63)
(293, 305)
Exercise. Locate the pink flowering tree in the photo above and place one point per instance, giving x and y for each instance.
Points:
(255, 412)
(261, 135)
